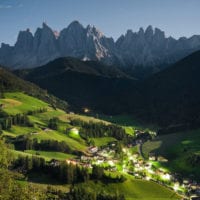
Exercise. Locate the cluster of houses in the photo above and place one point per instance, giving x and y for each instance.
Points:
(143, 169)
(93, 150)
(134, 165)
(99, 156)
(141, 137)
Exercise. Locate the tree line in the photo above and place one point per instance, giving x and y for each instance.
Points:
(24, 142)
(7, 121)
(94, 130)
(81, 193)
(62, 171)
(10, 189)
(66, 173)
(20, 119)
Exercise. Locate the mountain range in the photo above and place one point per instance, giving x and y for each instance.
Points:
(172, 95)
(169, 97)
(148, 48)
(10, 82)
(83, 83)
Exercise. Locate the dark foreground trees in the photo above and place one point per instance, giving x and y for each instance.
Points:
(82, 193)
(10, 189)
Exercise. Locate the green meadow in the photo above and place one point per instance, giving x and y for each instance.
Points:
(135, 189)
(177, 148)
(16, 102)
(103, 141)
(48, 155)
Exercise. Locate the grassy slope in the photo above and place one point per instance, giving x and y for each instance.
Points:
(128, 122)
(48, 155)
(17, 102)
(172, 147)
(43, 186)
(55, 135)
(132, 189)
(103, 141)
(85, 118)
(135, 189)
(21, 103)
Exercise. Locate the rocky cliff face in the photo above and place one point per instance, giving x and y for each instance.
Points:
(85, 43)
(45, 45)
(144, 48)
(152, 48)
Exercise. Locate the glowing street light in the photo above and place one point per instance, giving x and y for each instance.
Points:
(111, 163)
(166, 176)
(86, 110)
(176, 186)
(124, 150)
(150, 171)
(147, 178)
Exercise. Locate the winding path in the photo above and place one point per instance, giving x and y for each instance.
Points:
(140, 151)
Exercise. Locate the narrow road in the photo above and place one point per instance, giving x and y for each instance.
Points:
(140, 151)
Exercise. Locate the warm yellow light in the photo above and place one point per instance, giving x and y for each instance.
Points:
(124, 150)
(176, 186)
(166, 176)
(111, 163)
(147, 178)
(150, 171)
(86, 110)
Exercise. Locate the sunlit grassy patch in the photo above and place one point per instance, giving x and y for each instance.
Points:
(48, 155)
(135, 189)
(103, 140)
(17, 102)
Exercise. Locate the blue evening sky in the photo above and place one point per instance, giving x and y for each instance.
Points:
(113, 17)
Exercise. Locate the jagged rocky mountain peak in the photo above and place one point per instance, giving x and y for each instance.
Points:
(129, 33)
(148, 47)
(75, 25)
(46, 27)
(92, 30)
(24, 42)
(4, 46)
(149, 30)
(141, 31)
(159, 32)
(25, 33)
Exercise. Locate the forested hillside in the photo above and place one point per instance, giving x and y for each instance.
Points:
(9, 82)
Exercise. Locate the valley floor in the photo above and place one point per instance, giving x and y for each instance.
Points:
(144, 179)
